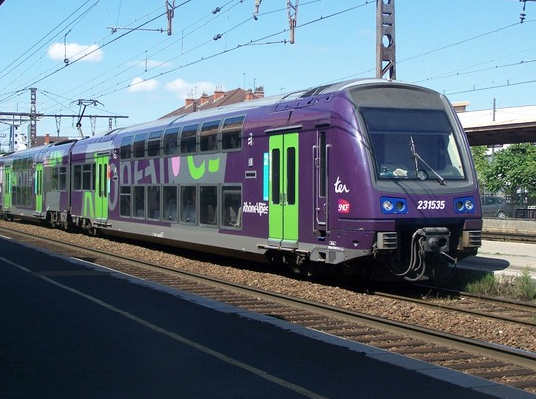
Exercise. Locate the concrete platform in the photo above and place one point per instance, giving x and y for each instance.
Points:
(504, 258)
(71, 329)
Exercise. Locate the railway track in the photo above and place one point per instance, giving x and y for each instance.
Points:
(518, 312)
(490, 361)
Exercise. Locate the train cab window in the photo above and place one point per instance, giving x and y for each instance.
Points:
(188, 204)
(171, 142)
(153, 202)
(413, 144)
(188, 139)
(208, 136)
(153, 144)
(231, 133)
(170, 203)
(208, 205)
(138, 200)
(126, 147)
(125, 201)
(139, 145)
(231, 206)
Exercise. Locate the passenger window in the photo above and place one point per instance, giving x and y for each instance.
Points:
(125, 200)
(153, 144)
(62, 178)
(153, 202)
(139, 202)
(139, 145)
(188, 138)
(86, 176)
(208, 205)
(231, 133)
(171, 142)
(77, 177)
(232, 206)
(126, 147)
(188, 204)
(170, 203)
(208, 136)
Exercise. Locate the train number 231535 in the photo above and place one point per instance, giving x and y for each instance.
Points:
(430, 204)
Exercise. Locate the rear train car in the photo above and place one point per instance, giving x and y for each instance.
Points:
(368, 176)
(35, 183)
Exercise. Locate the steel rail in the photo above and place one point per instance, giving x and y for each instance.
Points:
(479, 348)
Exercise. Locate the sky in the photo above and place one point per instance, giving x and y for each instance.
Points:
(117, 53)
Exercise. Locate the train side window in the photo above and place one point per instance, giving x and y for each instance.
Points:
(170, 203)
(139, 145)
(322, 165)
(87, 172)
(125, 201)
(153, 202)
(171, 142)
(126, 147)
(188, 139)
(291, 175)
(275, 176)
(54, 184)
(208, 205)
(231, 133)
(208, 136)
(139, 202)
(77, 177)
(153, 144)
(188, 204)
(231, 206)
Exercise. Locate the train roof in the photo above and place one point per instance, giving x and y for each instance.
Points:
(270, 101)
(253, 104)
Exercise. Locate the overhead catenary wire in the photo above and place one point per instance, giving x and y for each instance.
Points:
(126, 82)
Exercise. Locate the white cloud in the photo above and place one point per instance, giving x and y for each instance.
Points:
(138, 84)
(75, 51)
(183, 89)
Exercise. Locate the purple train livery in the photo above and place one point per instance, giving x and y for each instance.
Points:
(370, 177)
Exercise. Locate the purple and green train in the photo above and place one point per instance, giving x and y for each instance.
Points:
(367, 176)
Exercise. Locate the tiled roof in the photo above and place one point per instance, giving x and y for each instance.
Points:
(218, 99)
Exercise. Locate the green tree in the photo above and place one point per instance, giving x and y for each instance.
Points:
(513, 171)
(481, 163)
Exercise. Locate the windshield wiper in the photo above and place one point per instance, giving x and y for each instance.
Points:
(417, 157)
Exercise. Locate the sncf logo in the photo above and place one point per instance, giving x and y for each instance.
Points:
(343, 206)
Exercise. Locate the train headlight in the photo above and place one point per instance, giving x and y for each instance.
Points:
(392, 205)
(469, 205)
(464, 205)
(387, 206)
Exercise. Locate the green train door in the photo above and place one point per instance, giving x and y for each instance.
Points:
(283, 190)
(38, 188)
(8, 187)
(101, 187)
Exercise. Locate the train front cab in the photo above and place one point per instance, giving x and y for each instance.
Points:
(423, 180)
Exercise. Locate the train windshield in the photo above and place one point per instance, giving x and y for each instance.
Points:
(413, 144)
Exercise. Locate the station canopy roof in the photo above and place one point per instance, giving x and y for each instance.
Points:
(500, 126)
